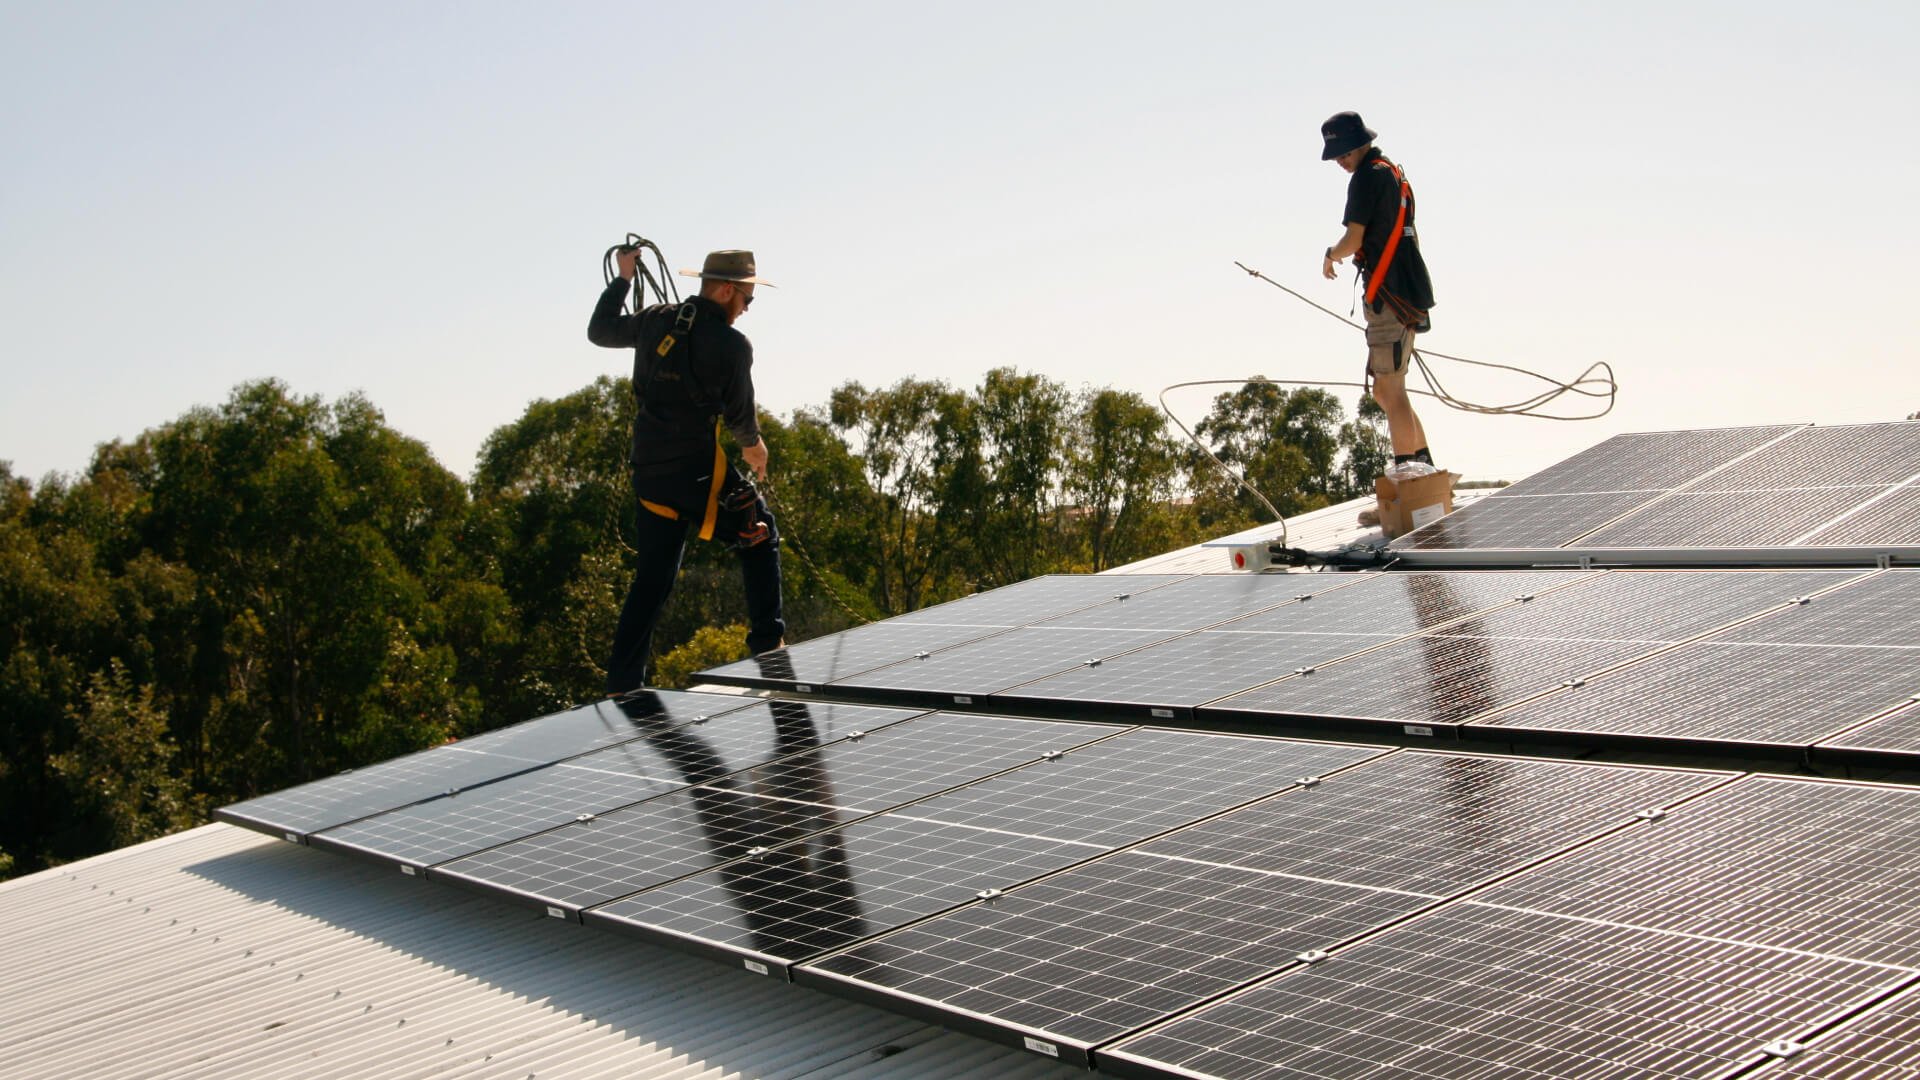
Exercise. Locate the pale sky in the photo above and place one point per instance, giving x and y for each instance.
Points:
(411, 200)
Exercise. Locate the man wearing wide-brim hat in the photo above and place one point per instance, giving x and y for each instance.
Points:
(692, 376)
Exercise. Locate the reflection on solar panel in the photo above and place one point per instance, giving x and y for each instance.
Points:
(965, 673)
(1522, 521)
(1507, 654)
(1089, 954)
(944, 851)
(1802, 865)
(298, 811)
(1893, 518)
(665, 759)
(812, 664)
(1882, 1042)
(592, 861)
(1731, 518)
(1473, 990)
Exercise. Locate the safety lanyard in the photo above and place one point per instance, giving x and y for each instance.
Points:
(1379, 273)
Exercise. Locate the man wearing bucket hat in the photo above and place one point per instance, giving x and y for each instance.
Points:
(1385, 247)
(692, 375)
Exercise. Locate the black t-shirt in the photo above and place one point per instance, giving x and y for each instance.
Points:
(1373, 200)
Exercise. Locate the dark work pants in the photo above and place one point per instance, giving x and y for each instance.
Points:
(661, 543)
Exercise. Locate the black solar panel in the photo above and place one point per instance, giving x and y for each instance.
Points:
(1883, 609)
(1732, 519)
(1504, 655)
(1473, 991)
(1883, 1042)
(1897, 733)
(589, 862)
(1087, 955)
(944, 851)
(1406, 603)
(1040, 598)
(1872, 454)
(1199, 602)
(1522, 521)
(1819, 867)
(1893, 518)
(812, 664)
(1646, 461)
(1755, 695)
(963, 674)
(1167, 680)
(596, 783)
(308, 808)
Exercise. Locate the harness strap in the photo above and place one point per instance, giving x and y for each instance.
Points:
(1379, 273)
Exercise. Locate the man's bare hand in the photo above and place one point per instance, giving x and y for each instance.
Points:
(624, 259)
(756, 457)
(1327, 267)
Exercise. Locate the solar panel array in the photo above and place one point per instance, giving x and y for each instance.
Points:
(1741, 488)
(1030, 865)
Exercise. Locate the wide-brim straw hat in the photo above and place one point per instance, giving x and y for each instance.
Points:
(734, 265)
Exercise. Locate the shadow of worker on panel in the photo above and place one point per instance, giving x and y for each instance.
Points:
(774, 829)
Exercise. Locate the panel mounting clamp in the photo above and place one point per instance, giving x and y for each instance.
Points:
(988, 894)
(922, 655)
(856, 736)
(1095, 662)
(1303, 671)
(1782, 1048)
(583, 818)
(1801, 600)
(1313, 956)
(1308, 781)
(1052, 755)
(1652, 813)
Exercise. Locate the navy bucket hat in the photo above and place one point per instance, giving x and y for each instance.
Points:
(1342, 132)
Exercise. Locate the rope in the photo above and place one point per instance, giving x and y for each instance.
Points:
(1587, 385)
(664, 289)
(793, 541)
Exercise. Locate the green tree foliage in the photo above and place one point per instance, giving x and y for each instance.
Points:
(276, 588)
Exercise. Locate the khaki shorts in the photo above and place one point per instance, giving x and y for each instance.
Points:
(1389, 341)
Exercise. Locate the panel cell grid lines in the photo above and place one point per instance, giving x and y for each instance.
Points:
(1896, 733)
(944, 851)
(589, 862)
(1090, 954)
(1472, 991)
(1503, 656)
(1884, 1042)
(1827, 868)
(980, 668)
(664, 760)
(1785, 493)
(307, 808)
(1038, 598)
(1200, 602)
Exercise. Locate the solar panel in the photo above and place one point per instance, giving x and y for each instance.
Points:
(1751, 695)
(1405, 603)
(1646, 461)
(1882, 1042)
(811, 664)
(1504, 655)
(1522, 521)
(1472, 991)
(1732, 518)
(970, 672)
(1896, 733)
(1825, 868)
(1167, 680)
(589, 862)
(1893, 518)
(664, 760)
(1084, 956)
(943, 851)
(1881, 609)
(1781, 494)
(307, 808)
(1198, 602)
(1038, 598)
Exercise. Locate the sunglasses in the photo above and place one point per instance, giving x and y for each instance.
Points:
(746, 298)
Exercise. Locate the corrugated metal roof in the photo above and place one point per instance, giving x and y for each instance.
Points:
(222, 953)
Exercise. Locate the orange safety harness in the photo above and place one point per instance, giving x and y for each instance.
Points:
(1378, 274)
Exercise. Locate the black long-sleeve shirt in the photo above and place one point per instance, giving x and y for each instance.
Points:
(675, 421)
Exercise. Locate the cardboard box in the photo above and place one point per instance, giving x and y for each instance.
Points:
(1409, 504)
